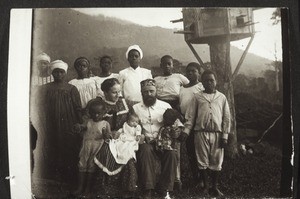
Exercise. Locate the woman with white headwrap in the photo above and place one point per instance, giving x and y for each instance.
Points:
(59, 109)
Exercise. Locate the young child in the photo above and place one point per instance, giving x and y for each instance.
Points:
(124, 148)
(168, 85)
(168, 139)
(94, 131)
(85, 84)
(209, 115)
(186, 95)
(131, 77)
(106, 66)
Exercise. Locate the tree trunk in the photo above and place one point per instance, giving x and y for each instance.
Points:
(220, 63)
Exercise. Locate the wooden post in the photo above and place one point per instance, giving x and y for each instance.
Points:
(220, 63)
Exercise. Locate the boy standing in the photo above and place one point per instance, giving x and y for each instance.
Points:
(168, 85)
(209, 110)
(131, 77)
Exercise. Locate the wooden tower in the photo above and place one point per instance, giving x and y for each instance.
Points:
(217, 27)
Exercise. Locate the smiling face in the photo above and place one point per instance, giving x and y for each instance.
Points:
(58, 74)
(134, 58)
(166, 65)
(209, 83)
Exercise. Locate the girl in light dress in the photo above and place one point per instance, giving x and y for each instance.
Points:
(86, 85)
(95, 130)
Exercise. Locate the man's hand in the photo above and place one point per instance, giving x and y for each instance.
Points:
(182, 137)
(223, 143)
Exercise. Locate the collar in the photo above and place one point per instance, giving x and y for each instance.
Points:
(137, 68)
(109, 102)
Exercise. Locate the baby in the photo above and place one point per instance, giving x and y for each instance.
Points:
(123, 148)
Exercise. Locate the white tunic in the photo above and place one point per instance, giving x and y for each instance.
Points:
(130, 82)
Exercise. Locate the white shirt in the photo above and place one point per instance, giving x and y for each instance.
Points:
(186, 95)
(130, 82)
(100, 80)
(168, 87)
(151, 117)
(87, 88)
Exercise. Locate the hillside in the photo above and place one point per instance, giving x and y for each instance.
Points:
(67, 34)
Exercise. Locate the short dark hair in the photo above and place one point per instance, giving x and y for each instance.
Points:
(166, 57)
(76, 62)
(130, 114)
(104, 57)
(208, 72)
(94, 103)
(195, 65)
(170, 116)
(108, 83)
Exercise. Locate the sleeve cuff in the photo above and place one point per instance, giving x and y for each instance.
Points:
(225, 136)
(187, 131)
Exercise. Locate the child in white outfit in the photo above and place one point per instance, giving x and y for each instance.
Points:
(124, 148)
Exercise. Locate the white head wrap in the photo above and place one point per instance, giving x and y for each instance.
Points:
(58, 64)
(134, 47)
(43, 57)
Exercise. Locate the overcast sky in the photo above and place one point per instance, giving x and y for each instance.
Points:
(266, 40)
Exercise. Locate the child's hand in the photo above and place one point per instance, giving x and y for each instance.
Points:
(223, 143)
(182, 137)
(77, 128)
(137, 138)
(142, 139)
(106, 134)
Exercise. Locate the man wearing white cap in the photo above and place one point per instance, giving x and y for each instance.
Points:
(42, 73)
(131, 77)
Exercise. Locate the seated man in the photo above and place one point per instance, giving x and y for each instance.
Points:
(150, 112)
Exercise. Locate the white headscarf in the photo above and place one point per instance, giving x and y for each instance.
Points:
(134, 47)
(58, 64)
(43, 57)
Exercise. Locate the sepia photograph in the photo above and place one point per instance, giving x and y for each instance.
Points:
(152, 103)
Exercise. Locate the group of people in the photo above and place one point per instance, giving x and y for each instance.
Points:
(125, 124)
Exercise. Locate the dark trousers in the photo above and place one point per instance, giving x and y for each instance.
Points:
(146, 164)
(190, 147)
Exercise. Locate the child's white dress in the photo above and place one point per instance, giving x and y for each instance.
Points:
(124, 148)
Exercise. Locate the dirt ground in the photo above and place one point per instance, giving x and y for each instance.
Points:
(255, 175)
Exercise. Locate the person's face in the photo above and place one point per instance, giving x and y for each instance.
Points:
(82, 68)
(97, 113)
(43, 67)
(114, 93)
(106, 65)
(209, 83)
(58, 74)
(134, 58)
(149, 95)
(192, 74)
(167, 66)
(133, 121)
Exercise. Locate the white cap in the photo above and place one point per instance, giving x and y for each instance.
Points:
(134, 47)
(43, 57)
(58, 64)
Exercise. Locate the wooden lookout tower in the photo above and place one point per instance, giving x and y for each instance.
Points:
(217, 27)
